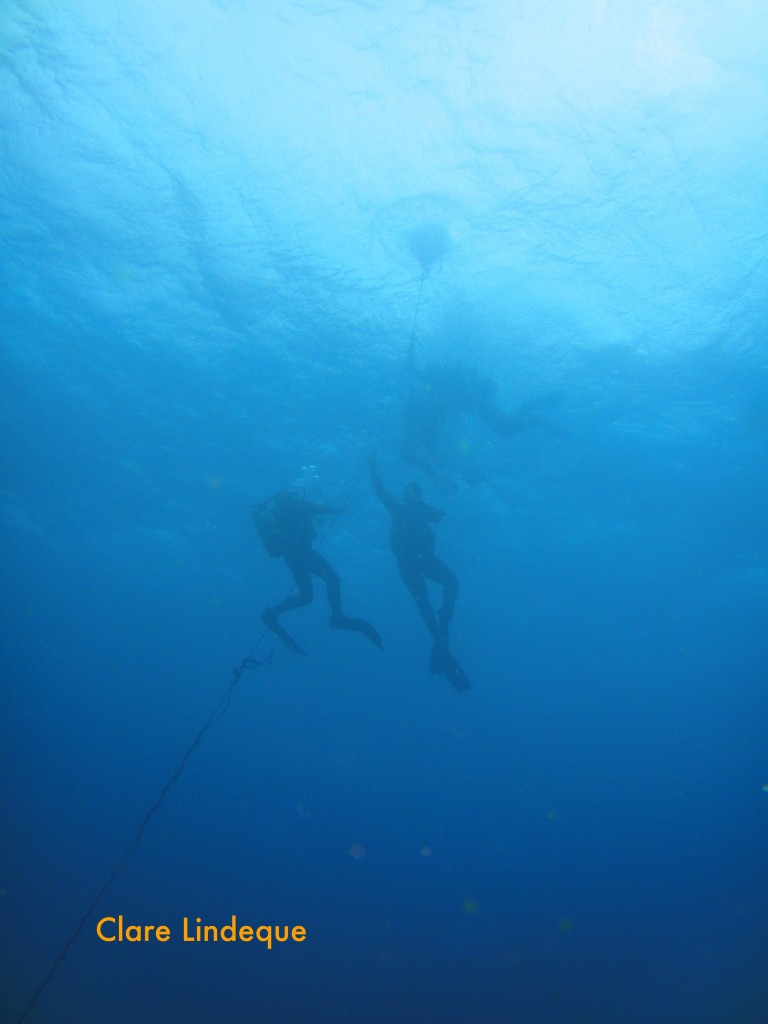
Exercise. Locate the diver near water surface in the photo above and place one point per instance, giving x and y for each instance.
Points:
(443, 391)
(286, 526)
(413, 543)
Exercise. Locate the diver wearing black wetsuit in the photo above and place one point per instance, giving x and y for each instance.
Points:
(442, 391)
(413, 544)
(287, 532)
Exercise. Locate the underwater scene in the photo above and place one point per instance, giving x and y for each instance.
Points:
(384, 507)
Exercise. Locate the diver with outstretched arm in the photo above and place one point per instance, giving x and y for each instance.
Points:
(413, 544)
(287, 531)
(442, 391)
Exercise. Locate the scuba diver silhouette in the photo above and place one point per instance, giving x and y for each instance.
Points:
(413, 544)
(442, 391)
(287, 530)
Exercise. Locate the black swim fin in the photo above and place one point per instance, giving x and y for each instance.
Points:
(269, 619)
(358, 626)
(442, 662)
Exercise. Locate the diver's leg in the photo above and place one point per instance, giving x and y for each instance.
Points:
(304, 595)
(441, 661)
(409, 452)
(414, 581)
(435, 569)
(270, 616)
(321, 568)
(526, 416)
(501, 423)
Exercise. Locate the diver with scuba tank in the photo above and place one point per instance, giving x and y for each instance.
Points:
(286, 525)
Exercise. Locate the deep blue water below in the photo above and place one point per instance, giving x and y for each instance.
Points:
(223, 222)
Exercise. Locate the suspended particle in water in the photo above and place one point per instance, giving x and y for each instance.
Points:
(357, 850)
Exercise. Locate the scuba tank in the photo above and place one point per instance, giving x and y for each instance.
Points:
(278, 517)
(268, 529)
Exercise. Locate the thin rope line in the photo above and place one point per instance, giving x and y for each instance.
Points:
(216, 715)
(218, 712)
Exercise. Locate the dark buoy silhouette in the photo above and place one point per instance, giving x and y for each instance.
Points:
(429, 244)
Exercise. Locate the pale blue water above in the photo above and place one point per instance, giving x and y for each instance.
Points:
(213, 214)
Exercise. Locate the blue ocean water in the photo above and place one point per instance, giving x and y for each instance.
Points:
(210, 258)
